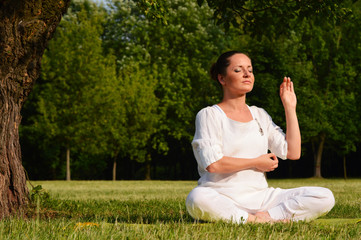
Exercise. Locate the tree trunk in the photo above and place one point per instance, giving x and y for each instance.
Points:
(68, 178)
(148, 168)
(25, 28)
(115, 169)
(344, 168)
(318, 159)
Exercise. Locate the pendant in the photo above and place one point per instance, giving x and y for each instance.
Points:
(260, 128)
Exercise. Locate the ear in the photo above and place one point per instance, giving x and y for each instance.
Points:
(221, 79)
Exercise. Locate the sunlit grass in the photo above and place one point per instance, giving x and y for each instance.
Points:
(156, 210)
(117, 190)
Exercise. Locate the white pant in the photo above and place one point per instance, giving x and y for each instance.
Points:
(304, 203)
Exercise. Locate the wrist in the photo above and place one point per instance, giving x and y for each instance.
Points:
(256, 162)
(290, 110)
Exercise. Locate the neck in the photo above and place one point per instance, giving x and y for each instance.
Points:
(237, 103)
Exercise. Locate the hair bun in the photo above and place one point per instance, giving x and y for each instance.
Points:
(213, 72)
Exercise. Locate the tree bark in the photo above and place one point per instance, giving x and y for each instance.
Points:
(25, 28)
(318, 159)
(68, 178)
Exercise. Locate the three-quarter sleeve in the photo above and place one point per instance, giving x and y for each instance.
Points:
(207, 141)
(277, 143)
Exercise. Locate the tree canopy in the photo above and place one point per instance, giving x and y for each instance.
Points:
(130, 86)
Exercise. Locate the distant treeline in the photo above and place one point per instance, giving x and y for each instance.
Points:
(119, 91)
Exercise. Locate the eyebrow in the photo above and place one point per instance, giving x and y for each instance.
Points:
(242, 66)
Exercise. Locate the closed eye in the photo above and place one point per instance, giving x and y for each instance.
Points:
(238, 69)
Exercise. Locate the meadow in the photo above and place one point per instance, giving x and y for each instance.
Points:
(156, 210)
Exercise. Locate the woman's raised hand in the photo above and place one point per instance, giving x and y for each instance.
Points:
(266, 162)
(293, 135)
(287, 94)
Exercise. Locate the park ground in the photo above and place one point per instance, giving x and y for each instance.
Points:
(156, 210)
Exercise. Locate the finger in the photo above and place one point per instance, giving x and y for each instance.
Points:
(292, 89)
(273, 156)
(281, 89)
(275, 166)
(288, 84)
(283, 84)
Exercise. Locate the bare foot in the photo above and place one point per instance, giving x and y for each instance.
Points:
(263, 217)
(260, 217)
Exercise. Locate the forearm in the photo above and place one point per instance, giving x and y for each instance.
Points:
(293, 135)
(231, 164)
(264, 163)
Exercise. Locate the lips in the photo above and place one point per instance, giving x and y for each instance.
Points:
(247, 82)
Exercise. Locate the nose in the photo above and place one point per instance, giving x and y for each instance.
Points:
(245, 72)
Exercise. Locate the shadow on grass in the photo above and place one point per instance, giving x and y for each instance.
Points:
(132, 211)
(344, 211)
(141, 211)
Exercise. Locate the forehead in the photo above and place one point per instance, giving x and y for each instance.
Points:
(240, 60)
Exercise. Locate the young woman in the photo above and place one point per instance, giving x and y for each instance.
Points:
(231, 145)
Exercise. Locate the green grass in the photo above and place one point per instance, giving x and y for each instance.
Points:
(156, 210)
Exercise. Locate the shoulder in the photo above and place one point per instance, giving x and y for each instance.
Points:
(210, 113)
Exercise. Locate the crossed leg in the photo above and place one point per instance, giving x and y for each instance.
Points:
(295, 204)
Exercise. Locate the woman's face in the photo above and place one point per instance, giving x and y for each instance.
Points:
(239, 78)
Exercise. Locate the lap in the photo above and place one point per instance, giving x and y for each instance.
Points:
(271, 198)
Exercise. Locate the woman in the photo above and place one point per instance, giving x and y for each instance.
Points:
(231, 146)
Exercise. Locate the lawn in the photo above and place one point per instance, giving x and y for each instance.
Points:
(156, 210)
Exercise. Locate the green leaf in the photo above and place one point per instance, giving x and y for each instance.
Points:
(200, 2)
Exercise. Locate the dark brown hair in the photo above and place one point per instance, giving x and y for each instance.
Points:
(222, 63)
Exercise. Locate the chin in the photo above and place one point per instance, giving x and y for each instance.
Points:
(249, 89)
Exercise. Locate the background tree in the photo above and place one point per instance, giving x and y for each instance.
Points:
(317, 56)
(162, 81)
(25, 28)
(346, 70)
(76, 93)
(179, 55)
(82, 105)
(331, 90)
(272, 17)
(134, 120)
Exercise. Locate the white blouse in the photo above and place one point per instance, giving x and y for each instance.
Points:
(217, 136)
